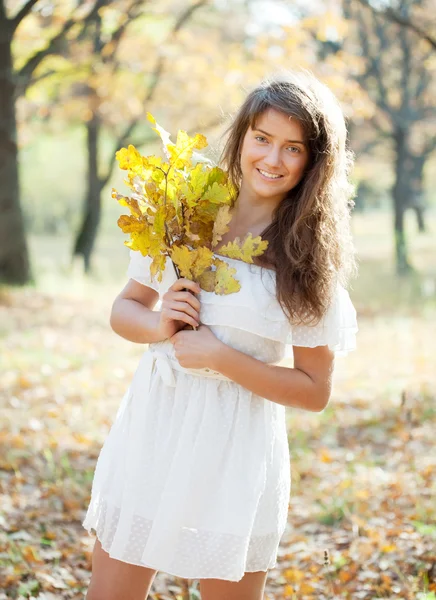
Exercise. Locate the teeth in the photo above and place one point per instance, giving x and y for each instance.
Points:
(269, 175)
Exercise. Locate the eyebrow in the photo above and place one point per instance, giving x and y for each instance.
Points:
(289, 141)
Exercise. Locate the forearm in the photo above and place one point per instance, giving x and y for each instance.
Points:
(283, 385)
(135, 322)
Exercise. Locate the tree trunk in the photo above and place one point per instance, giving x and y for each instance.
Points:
(14, 256)
(85, 240)
(401, 194)
(416, 183)
(419, 210)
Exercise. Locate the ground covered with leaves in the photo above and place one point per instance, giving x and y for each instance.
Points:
(361, 525)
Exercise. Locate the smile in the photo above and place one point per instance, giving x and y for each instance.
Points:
(269, 175)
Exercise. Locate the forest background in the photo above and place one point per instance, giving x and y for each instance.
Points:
(76, 79)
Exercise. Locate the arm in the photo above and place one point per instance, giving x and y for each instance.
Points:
(134, 319)
(132, 316)
(307, 385)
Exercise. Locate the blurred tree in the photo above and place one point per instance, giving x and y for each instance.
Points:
(399, 74)
(14, 80)
(105, 67)
(423, 22)
(124, 61)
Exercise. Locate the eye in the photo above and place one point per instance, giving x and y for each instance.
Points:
(260, 138)
(294, 149)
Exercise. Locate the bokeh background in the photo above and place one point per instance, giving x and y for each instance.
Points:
(76, 79)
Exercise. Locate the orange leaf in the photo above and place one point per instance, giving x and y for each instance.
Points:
(294, 575)
(306, 588)
(345, 576)
(30, 555)
(325, 456)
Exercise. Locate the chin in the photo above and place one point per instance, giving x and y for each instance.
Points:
(265, 192)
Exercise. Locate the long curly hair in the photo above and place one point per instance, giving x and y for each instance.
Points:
(310, 245)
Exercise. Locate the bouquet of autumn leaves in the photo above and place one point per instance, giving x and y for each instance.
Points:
(182, 211)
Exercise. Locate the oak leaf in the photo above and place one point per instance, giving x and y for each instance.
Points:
(129, 224)
(225, 283)
(220, 226)
(245, 250)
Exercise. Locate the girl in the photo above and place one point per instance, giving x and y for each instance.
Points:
(194, 477)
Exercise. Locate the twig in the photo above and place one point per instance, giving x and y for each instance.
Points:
(329, 575)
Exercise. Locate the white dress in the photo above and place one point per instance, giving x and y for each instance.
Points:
(194, 476)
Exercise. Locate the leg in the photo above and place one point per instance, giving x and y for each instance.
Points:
(115, 580)
(250, 587)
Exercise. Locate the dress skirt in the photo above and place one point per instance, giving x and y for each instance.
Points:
(194, 477)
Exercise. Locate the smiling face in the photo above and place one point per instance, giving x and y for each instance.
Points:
(273, 157)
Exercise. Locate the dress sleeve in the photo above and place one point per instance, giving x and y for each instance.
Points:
(139, 270)
(337, 328)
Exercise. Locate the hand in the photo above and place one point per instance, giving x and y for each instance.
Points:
(179, 308)
(197, 349)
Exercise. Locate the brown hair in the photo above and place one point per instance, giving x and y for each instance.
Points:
(310, 244)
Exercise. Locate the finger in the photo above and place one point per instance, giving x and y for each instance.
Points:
(186, 308)
(183, 283)
(176, 315)
(187, 297)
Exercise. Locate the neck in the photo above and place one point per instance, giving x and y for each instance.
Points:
(253, 211)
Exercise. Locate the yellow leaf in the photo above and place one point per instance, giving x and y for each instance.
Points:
(220, 226)
(306, 588)
(192, 263)
(225, 283)
(294, 575)
(157, 266)
(159, 221)
(193, 187)
(163, 134)
(218, 194)
(184, 259)
(246, 250)
(181, 152)
(325, 456)
(217, 175)
(199, 178)
(207, 281)
(131, 203)
(153, 193)
(202, 261)
(139, 241)
(128, 224)
(128, 158)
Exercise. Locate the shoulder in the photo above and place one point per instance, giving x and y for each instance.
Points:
(337, 329)
(139, 269)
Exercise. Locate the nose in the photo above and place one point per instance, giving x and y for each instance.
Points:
(272, 158)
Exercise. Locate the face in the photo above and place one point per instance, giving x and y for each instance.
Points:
(273, 157)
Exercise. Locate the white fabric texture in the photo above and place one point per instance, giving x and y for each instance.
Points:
(194, 476)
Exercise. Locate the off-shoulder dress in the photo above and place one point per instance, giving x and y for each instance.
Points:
(194, 477)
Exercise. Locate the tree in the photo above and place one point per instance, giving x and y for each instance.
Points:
(106, 58)
(400, 80)
(14, 257)
(419, 23)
